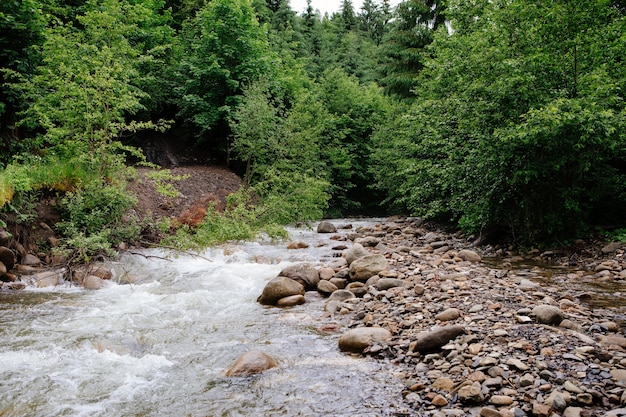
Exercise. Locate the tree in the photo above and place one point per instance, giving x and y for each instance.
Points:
(518, 121)
(224, 49)
(22, 25)
(85, 85)
(373, 20)
(403, 53)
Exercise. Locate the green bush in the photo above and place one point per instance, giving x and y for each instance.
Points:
(94, 218)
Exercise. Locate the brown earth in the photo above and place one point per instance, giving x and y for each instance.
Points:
(198, 183)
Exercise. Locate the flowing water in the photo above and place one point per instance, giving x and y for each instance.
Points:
(160, 346)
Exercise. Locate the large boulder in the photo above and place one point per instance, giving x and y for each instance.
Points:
(252, 362)
(305, 274)
(355, 252)
(366, 267)
(357, 340)
(280, 287)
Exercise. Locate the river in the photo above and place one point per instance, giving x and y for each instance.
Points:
(160, 346)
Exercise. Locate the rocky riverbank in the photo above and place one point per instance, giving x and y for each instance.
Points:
(476, 331)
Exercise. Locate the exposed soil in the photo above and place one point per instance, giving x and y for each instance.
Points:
(197, 183)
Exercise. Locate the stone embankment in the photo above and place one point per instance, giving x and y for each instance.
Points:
(475, 331)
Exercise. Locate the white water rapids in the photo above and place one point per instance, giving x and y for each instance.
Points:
(160, 347)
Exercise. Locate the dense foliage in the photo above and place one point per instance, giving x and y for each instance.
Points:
(496, 115)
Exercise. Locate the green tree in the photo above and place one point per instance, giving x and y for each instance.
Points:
(84, 87)
(22, 25)
(402, 48)
(224, 49)
(519, 121)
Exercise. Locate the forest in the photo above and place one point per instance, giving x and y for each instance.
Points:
(503, 117)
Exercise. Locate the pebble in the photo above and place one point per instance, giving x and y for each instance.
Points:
(526, 341)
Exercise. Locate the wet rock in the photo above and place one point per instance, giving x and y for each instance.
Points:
(547, 314)
(92, 282)
(278, 288)
(46, 279)
(100, 271)
(15, 286)
(367, 266)
(305, 274)
(355, 252)
(290, 301)
(252, 362)
(341, 295)
(357, 340)
(326, 227)
(298, 244)
(7, 257)
(359, 289)
(432, 341)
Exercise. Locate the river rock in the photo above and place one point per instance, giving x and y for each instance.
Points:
(290, 301)
(366, 267)
(326, 273)
(326, 227)
(326, 287)
(469, 255)
(471, 394)
(356, 340)
(7, 257)
(367, 241)
(432, 341)
(359, 289)
(30, 260)
(92, 282)
(387, 283)
(613, 340)
(449, 314)
(278, 288)
(305, 274)
(611, 247)
(297, 244)
(355, 252)
(547, 314)
(341, 296)
(46, 279)
(619, 375)
(252, 362)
